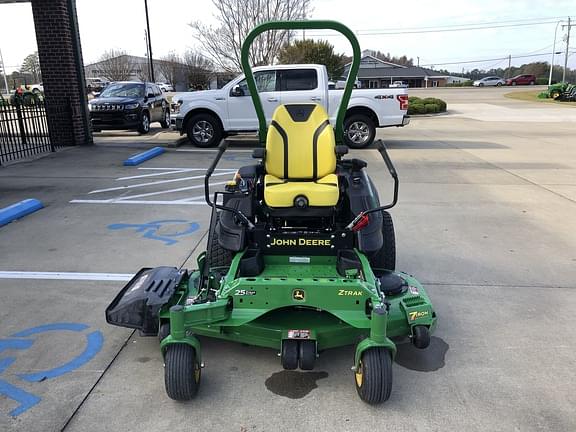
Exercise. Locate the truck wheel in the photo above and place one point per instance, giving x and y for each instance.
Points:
(204, 130)
(144, 127)
(385, 258)
(181, 372)
(359, 131)
(165, 122)
(374, 375)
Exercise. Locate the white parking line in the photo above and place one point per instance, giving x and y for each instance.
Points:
(168, 191)
(158, 182)
(143, 202)
(212, 151)
(66, 276)
(121, 194)
(167, 171)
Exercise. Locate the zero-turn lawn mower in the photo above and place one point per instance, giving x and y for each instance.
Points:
(300, 256)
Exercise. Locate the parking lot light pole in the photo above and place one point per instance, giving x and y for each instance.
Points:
(149, 43)
(553, 52)
(3, 68)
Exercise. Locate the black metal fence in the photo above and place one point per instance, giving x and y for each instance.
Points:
(24, 129)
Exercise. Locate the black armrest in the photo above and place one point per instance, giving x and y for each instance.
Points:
(341, 150)
(259, 153)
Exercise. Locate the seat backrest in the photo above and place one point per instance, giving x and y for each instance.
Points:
(300, 143)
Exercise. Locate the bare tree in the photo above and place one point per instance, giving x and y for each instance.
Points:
(142, 72)
(31, 64)
(236, 19)
(199, 69)
(171, 67)
(116, 65)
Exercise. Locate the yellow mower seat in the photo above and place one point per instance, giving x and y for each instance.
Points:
(300, 157)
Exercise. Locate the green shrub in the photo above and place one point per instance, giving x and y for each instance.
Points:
(414, 99)
(416, 108)
(431, 108)
(441, 104)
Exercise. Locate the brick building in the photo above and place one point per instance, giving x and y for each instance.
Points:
(60, 55)
(376, 73)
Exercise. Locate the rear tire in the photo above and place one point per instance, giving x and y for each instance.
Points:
(532, 83)
(359, 131)
(219, 257)
(204, 130)
(163, 330)
(385, 258)
(181, 372)
(374, 376)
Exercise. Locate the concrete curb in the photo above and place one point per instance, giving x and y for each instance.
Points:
(19, 210)
(144, 156)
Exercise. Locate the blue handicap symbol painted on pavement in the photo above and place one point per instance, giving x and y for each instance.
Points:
(17, 341)
(151, 229)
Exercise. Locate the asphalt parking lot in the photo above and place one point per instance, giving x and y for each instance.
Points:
(485, 220)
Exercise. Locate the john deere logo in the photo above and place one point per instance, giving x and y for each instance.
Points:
(298, 294)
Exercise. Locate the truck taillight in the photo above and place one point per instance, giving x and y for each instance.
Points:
(403, 99)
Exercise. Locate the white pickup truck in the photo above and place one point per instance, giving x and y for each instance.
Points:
(207, 116)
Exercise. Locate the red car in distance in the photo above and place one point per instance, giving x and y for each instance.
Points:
(522, 80)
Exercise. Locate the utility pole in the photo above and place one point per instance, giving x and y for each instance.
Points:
(567, 45)
(418, 61)
(149, 74)
(3, 69)
(149, 43)
(509, 65)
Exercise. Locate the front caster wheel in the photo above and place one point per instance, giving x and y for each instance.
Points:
(420, 336)
(307, 354)
(373, 376)
(289, 354)
(181, 372)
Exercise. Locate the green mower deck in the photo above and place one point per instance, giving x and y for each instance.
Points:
(334, 311)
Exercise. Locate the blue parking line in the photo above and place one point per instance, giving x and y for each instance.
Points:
(144, 156)
(18, 210)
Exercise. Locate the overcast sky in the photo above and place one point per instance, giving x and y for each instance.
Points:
(120, 24)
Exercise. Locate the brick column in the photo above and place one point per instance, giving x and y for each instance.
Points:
(62, 68)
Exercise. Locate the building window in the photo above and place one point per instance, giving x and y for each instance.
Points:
(373, 84)
(434, 83)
